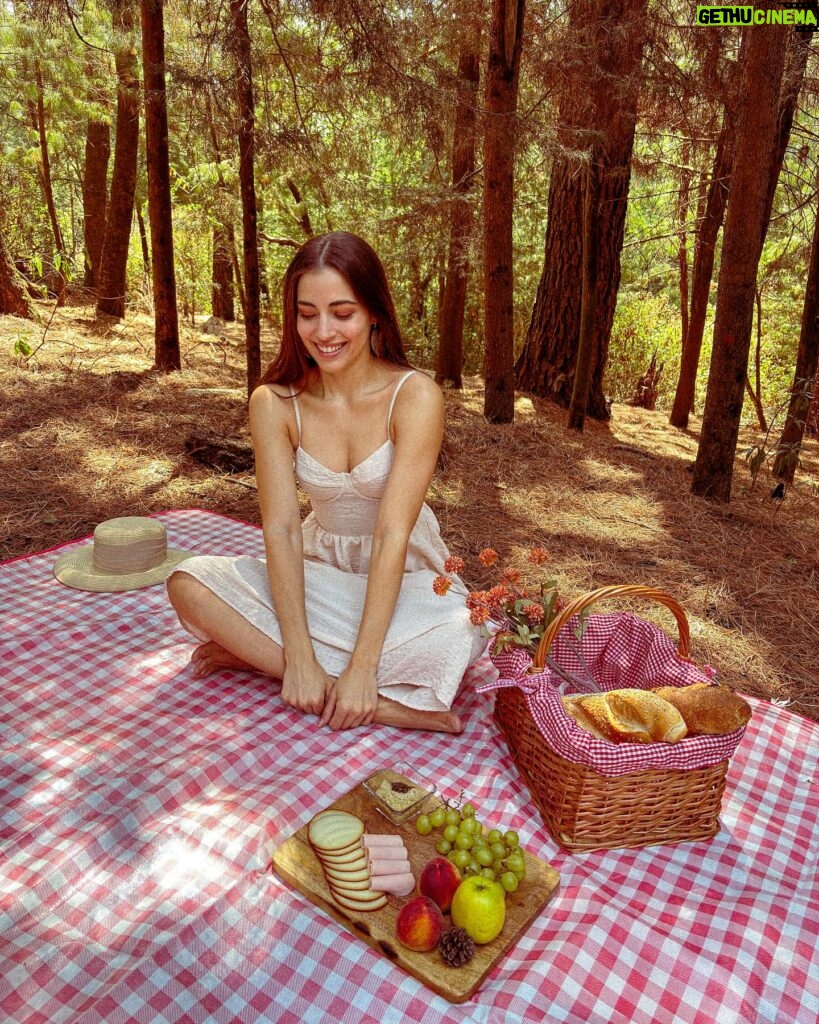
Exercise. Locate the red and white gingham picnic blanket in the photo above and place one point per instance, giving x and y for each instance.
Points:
(140, 807)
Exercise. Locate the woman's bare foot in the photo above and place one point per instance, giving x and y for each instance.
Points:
(388, 712)
(210, 657)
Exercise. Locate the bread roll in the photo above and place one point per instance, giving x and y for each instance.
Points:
(627, 716)
(707, 710)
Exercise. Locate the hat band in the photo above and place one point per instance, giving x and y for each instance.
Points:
(138, 556)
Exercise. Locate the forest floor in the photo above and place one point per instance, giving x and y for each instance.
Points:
(90, 431)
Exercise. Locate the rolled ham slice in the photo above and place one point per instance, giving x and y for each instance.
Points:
(397, 884)
(381, 866)
(387, 852)
(373, 839)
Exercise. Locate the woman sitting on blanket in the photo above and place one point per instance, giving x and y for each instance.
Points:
(342, 609)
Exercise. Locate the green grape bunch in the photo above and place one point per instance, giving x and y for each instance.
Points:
(494, 854)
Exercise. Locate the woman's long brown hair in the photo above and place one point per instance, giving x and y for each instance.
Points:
(359, 265)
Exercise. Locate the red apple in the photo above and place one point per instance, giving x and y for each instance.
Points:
(419, 924)
(439, 879)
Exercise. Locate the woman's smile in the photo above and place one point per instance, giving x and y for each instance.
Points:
(332, 324)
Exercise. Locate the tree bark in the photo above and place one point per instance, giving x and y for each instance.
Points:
(246, 134)
(449, 367)
(14, 300)
(222, 291)
(113, 266)
(804, 386)
(589, 294)
(95, 195)
(742, 247)
(702, 272)
(683, 205)
(705, 245)
(609, 36)
(224, 236)
(48, 189)
(503, 68)
(166, 322)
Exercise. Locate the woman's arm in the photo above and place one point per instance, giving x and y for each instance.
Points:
(305, 683)
(418, 428)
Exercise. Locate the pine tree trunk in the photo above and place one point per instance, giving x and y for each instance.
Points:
(589, 294)
(224, 238)
(112, 283)
(805, 373)
(683, 204)
(95, 195)
(702, 271)
(48, 189)
(449, 366)
(166, 322)
(741, 250)
(609, 36)
(143, 241)
(14, 300)
(246, 134)
(503, 67)
(222, 290)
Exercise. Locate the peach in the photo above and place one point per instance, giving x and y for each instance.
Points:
(439, 879)
(419, 924)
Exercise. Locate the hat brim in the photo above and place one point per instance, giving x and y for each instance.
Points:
(76, 570)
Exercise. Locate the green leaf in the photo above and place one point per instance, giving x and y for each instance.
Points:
(22, 348)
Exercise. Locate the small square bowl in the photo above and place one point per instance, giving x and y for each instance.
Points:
(398, 797)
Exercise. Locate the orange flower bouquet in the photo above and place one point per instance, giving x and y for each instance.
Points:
(515, 615)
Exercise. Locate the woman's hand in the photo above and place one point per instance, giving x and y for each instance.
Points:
(352, 699)
(306, 686)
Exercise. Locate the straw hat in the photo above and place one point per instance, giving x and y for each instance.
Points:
(127, 553)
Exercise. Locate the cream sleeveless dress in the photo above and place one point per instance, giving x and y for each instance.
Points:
(430, 642)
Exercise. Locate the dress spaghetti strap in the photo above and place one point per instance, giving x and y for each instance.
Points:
(398, 387)
(295, 398)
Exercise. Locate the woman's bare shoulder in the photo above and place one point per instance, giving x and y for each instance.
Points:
(420, 387)
(271, 405)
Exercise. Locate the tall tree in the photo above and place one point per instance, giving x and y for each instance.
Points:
(608, 35)
(38, 114)
(805, 374)
(95, 195)
(502, 76)
(797, 50)
(589, 292)
(112, 281)
(166, 322)
(221, 298)
(240, 42)
(449, 365)
(704, 252)
(741, 250)
(13, 297)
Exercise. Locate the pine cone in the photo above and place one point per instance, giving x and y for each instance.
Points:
(456, 947)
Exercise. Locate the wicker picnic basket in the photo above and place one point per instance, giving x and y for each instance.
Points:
(585, 810)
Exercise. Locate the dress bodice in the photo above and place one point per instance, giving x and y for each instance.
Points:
(346, 503)
(345, 506)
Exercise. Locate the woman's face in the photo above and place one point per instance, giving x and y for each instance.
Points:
(333, 325)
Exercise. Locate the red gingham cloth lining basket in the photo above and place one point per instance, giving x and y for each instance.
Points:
(621, 650)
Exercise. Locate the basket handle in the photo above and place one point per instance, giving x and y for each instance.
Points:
(615, 590)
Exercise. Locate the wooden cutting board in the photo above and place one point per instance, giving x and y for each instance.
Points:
(296, 863)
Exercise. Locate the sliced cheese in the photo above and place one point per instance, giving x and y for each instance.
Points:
(334, 831)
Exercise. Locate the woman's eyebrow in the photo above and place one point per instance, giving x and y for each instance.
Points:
(335, 302)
